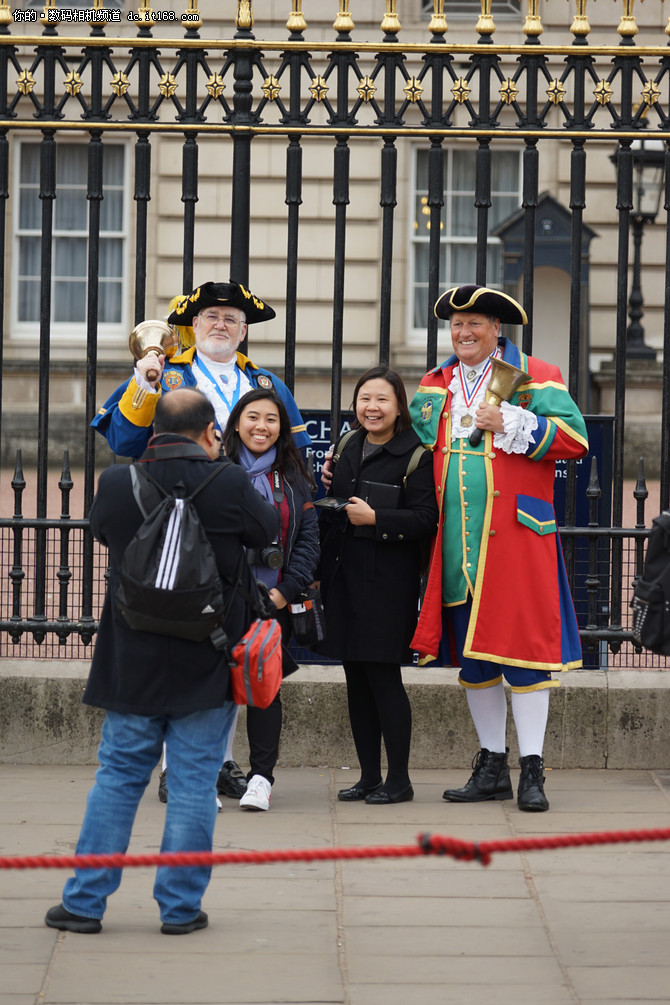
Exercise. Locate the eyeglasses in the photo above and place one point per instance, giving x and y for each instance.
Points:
(217, 436)
(213, 319)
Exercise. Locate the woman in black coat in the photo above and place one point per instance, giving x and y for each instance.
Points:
(371, 556)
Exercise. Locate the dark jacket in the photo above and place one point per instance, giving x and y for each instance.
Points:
(370, 575)
(301, 550)
(148, 674)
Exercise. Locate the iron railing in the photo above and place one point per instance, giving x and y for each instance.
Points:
(336, 93)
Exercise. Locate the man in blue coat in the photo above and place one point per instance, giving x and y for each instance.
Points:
(219, 314)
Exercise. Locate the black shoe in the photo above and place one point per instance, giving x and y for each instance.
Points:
(231, 781)
(380, 797)
(188, 926)
(59, 917)
(531, 795)
(357, 792)
(162, 786)
(489, 780)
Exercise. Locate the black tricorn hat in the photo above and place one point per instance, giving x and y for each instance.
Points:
(480, 300)
(221, 295)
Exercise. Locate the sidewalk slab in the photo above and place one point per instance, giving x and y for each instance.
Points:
(589, 924)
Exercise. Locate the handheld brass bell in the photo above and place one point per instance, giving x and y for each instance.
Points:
(504, 381)
(153, 338)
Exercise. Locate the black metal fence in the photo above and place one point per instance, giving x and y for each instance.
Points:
(337, 93)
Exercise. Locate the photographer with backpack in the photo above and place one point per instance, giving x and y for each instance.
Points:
(159, 685)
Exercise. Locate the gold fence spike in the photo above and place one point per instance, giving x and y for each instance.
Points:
(296, 21)
(627, 25)
(6, 16)
(580, 25)
(146, 15)
(533, 24)
(245, 15)
(344, 21)
(192, 15)
(390, 23)
(485, 25)
(438, 22)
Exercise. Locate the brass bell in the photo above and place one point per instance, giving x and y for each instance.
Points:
(504, 381)
(153, 338)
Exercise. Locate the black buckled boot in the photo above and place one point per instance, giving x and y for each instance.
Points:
(489, 780)
(531, 785)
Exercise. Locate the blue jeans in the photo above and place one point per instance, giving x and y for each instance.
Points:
(130, 748)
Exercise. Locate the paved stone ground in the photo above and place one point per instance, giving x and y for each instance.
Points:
(583, 925)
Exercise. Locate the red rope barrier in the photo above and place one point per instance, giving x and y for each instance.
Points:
(427, 844)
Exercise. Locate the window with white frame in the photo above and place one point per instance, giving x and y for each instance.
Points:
(69, 258)
(458, 221)
(466, 8)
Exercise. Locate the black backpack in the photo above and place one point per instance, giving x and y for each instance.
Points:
(651, 597)
(170, 583)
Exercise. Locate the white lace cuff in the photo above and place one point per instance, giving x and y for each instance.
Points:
(143, 383)
(519, 424)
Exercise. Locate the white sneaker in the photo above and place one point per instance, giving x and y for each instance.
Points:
(257, 796)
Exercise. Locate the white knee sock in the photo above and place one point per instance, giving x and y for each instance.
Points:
(228, 755)
(488, 708)
(530, 710)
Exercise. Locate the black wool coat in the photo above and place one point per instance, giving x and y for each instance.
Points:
(370, 576)
(148, 674)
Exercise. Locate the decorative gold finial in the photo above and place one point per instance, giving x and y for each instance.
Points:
(438, 22)
(344, 21)
(44, 16)
(580, 25)
(532, 25)
(245, 15)
(390, 24)
(627, 26)
(146, 15)
(485, 25)
(6, 16)
(296, 21)
(191, 17)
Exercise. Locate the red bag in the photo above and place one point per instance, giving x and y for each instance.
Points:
(256, 665)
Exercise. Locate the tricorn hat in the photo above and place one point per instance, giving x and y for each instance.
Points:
(480, 300)
(221, 295)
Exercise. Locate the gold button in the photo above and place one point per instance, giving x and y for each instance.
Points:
(492, 455)
(465, 504)
(445, 415)
(465, 488)
(496, 494)
(492, 533)
(468, 565)
(467, 549)
(467, 517)
(467, 533)
(439, 488)
(445, 450)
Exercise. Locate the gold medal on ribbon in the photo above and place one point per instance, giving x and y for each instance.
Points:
(466, 421)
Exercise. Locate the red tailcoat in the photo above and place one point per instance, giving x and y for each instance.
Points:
(522, 611)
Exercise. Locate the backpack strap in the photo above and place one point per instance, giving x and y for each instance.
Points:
(342, 442)
(220, 465)
(414, 462)
(146, 490)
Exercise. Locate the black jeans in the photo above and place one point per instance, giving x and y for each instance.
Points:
(379, 709)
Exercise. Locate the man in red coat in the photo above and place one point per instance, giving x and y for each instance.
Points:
(497, 593)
